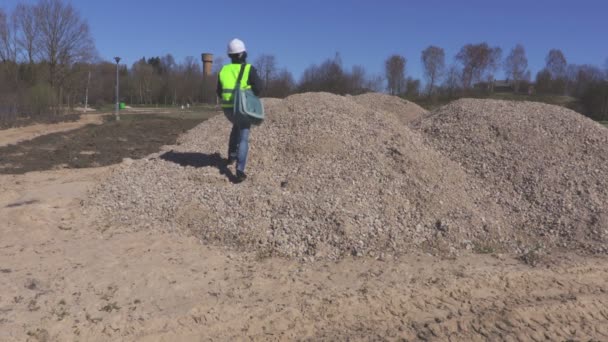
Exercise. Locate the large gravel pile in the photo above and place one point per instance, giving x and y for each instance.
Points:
(545, 165)
(327, 177)
(332, 175)
(406, 111)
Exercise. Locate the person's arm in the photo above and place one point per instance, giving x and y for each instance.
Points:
(254, 81)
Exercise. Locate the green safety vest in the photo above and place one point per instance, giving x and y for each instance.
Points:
(228, 76)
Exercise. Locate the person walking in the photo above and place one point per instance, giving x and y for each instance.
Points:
(238, 144)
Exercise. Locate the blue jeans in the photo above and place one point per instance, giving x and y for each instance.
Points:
(238, 145)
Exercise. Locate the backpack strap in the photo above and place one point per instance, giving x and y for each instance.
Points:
(241, 72)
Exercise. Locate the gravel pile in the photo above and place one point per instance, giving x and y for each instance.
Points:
(406, 111)
(545, 165)
(327, 177)
(332, 175)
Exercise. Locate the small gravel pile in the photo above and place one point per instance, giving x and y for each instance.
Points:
(327, 177)
(406, 111)
(545, 165)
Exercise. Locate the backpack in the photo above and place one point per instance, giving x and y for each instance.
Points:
(247, 106)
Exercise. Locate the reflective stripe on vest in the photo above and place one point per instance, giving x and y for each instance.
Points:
(228, 76)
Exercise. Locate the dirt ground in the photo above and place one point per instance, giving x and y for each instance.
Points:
(18, 134)
(89, 143)
(63, 278)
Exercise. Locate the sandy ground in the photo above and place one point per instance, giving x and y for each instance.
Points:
(19, 134)
(63, 279)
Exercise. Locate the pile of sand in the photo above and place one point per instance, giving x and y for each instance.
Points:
(333, 175)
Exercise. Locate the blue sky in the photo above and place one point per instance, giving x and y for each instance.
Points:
(300, 33)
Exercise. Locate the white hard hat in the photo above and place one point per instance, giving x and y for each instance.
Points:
(236, 46)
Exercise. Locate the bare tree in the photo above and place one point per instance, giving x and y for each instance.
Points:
(358, 77)
(556, 63)
(452, 80)
(558, 70)
(168, 79)
(581, 77)
(267, 67)
(281, 85)
(143, 76)
(495, 62)
(168, 63)
(3, 34)
(64, 37)
(310, 79)
(374, 83)
(412, 87)
(479, 62)
(433, 61)
(543, 82)
(103, 80)
(594, 96)
(8, 38)
(25, 18)
(329, 77)
(8, 79)
(218, 63)
(395, 74)
(516, 65)
(189, 76)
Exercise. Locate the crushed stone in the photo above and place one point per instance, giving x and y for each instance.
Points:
(331, 176)
(545, 165)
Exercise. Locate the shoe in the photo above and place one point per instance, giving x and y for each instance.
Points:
(240, 176)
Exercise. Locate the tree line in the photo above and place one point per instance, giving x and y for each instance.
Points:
(41, 47)
(473, 70)
(49, 65)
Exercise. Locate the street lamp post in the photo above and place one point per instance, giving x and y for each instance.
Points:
(117, 59)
